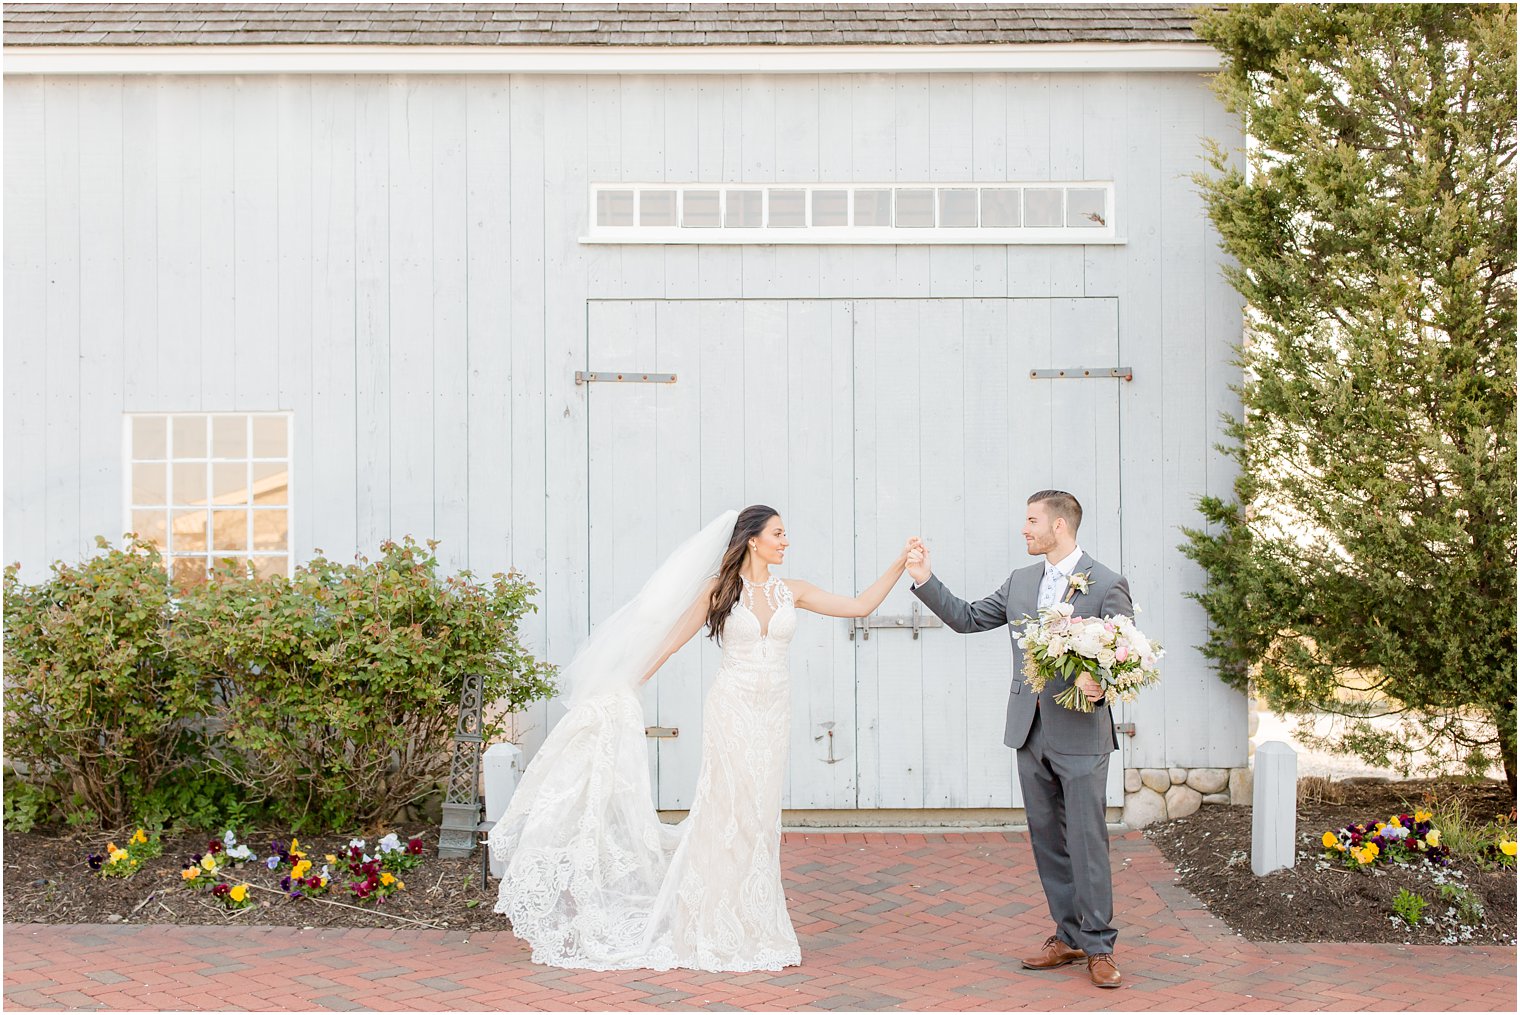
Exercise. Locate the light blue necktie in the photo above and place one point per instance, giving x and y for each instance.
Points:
(1050, 588)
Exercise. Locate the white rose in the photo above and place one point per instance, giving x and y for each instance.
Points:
(1106, 658)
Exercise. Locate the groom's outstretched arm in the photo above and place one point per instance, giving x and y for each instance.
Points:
(959, 615)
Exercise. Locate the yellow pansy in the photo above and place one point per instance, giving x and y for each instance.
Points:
(1373, 847)
(387, 878)
(1507, 846)
(330, 858)
(400, 883)
(1422, 816)
(1394, 822)
(294, 851)
(110, 847)
(1433, 837)
(324, 882)
(1330, 840)
(117, 855)
(300, 869)
(190, 873)
(209, 862)
(138, 838)
(239, 893)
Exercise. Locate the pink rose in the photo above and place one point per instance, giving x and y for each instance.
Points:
(1121, 653)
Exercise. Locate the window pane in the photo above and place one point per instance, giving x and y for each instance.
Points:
(1042, 208)
(743, 210)
(873, 207)
(229, 530)
(149, 483)
(268, 567)
(271, 530)
(224, 564)
(957, 209)
(188, 534)
(189, 571)
(269, 437)
(271, 483)
(699, 209)
(1084, 209)
(151, 526)
(150, 435)
(190, 483)
(788, 209)
(614, 208)
(657, 207)
(915, 208)
(229, 436)
(189, 436)
(229, 482)
(830, 208)
(1000, 208)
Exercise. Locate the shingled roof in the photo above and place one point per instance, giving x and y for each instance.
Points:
(595, 24)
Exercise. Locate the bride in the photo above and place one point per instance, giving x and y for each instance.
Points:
(594, 879)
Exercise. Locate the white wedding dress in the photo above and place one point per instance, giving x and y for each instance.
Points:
(595, 880)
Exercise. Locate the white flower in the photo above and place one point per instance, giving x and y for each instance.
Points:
(389, 844)
(356, 842)
(228, 839)
(1106, 658)
(1056, 647)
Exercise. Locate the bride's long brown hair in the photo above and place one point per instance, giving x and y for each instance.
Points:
(751, 523)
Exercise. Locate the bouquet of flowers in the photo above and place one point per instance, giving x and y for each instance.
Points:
(1111, 650)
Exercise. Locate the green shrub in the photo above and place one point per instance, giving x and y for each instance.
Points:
(338, 690)
(321, 702)
(97, 707)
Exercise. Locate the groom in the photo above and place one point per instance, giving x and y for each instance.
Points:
(1063, 754)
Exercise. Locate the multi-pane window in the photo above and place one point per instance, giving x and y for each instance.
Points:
(853, 213)
(211, 487)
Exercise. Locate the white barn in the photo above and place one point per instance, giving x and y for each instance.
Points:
(288, 277)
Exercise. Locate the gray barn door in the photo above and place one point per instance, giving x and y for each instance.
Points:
(760, 412)
(951, 435)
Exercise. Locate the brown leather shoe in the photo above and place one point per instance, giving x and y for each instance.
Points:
(1055, 953)
(1102, 971)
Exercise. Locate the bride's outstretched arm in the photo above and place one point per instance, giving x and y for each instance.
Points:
(830, 604)
(690, 623)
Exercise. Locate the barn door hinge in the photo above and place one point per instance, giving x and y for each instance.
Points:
(1127, 728)
(915, 621)
(661, 732)
(1074, 373)
(627, 377)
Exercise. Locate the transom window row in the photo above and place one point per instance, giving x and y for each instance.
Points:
(961, 206)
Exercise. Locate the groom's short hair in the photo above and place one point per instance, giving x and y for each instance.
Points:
(1062, 505)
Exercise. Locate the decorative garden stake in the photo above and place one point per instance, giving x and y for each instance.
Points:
(461, 799)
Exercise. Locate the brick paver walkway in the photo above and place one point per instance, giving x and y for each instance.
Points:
(886, 921)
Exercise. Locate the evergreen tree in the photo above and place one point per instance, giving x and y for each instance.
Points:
(1367, 564)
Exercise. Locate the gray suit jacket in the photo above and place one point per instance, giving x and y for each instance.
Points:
(1066, 731)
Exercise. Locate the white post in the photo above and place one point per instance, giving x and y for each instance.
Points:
(1274, 807)
(500, 767)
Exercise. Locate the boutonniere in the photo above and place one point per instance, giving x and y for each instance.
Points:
(1077, 581)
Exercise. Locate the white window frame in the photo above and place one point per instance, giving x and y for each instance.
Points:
(129, 420)
(850, 234)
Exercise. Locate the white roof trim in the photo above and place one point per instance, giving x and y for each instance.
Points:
(377, 59)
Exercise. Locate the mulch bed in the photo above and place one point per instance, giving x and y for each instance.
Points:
(47, 880)
(1315, 902)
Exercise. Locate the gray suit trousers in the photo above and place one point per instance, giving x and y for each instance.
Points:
(1064, 802)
